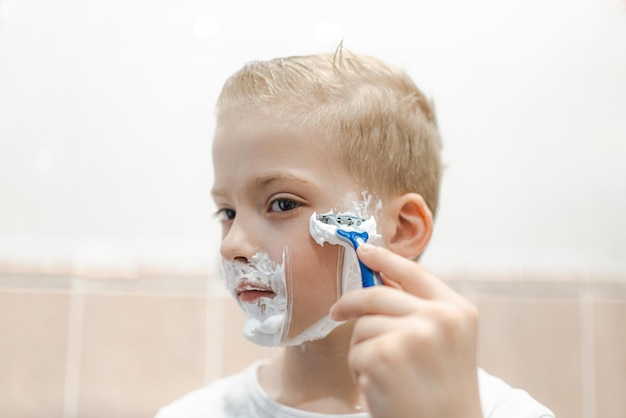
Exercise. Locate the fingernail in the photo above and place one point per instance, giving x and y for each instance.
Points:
(332, 313)
(366, 247)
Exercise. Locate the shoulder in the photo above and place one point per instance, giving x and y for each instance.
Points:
(205, 402)
(499, 400)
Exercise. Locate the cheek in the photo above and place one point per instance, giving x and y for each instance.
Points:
(313, 283)
(314, 265)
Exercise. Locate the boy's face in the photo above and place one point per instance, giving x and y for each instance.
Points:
(270, 176)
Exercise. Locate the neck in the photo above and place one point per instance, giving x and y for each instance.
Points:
(314, 376)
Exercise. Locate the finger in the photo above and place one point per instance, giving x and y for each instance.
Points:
(411, 276)
(379, 300)
(376, 357)
(372, 326)
(364, 360)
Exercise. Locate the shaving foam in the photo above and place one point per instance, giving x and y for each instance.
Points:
(323, 232)
(363, 207)
(266, 317)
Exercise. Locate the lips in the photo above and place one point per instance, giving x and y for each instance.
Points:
(249, 292)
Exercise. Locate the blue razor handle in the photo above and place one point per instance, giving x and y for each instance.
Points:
(357, 238)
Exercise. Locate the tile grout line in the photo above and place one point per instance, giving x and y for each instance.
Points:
(74, 353)
(587, 349)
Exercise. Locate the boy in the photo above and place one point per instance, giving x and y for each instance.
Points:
(339, 133)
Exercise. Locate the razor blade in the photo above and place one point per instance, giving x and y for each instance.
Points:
(347, 230)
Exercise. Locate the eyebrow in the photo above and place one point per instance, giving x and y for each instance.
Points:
(265, 181)
(281, 176)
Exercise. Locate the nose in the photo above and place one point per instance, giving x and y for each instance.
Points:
(237, 244)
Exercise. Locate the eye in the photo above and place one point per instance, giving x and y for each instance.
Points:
(225, 214)
(283, 205)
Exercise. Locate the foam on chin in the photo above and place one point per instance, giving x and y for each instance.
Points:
(263, 328)
(266, 318)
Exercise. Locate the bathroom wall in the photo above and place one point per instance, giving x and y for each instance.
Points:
(125, 347)
(110, 302)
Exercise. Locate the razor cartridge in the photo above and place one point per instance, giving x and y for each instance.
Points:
(347, 230)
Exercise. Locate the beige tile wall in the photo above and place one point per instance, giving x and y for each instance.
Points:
(147, 346)
(610, 358)
(535, 345)
(124, 349)
(33, 352)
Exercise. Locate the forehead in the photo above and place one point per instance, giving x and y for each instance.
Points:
(268, 134)
(255, 144)
(245, 129)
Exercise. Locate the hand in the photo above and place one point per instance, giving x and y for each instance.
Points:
(413, 348)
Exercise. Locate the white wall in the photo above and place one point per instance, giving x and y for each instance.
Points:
(106, 122)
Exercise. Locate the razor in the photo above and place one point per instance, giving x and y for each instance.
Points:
(347, 230)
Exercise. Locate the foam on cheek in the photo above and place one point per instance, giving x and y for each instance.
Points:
(322, 233)
(364, 206)
(351, 273)
(266, 317)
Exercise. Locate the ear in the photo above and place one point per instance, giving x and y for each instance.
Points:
(407, 225)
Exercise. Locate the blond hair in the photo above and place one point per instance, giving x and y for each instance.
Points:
(381, 123)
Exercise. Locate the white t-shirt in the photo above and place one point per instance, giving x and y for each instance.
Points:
(241, 396)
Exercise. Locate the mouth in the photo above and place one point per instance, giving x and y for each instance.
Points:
(250, 292)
